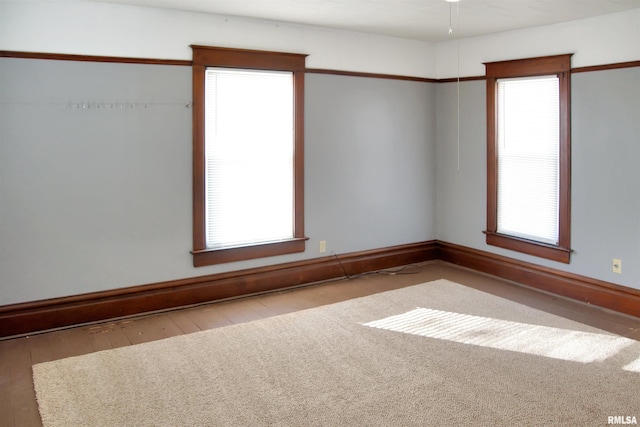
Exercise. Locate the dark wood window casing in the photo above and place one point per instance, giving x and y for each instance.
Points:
(206, 56)
(559, 65)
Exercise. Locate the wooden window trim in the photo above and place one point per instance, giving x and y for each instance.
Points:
(207, 56)
(561, 66)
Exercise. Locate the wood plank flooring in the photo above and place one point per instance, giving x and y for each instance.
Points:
(18, 407)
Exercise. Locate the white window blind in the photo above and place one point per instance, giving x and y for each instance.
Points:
(249, 142)
(528, 158)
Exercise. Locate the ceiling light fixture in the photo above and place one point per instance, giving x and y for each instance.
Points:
(451, 1)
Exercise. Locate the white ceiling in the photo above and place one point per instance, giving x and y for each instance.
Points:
(426, 20)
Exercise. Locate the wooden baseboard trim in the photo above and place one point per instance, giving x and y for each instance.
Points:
(30, 317)
(24, 318)
(592, 291)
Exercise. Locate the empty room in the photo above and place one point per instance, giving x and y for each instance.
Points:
(319, 212)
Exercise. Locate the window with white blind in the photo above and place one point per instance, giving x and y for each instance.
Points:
(528, 156)
(249, 168)
(248, 161)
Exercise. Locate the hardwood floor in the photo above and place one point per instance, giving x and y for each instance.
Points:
(18, 405)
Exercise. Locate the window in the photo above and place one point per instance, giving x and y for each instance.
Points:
(528, 156)
(247, 154)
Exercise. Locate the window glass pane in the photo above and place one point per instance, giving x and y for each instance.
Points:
(528, 158)
(249, 156)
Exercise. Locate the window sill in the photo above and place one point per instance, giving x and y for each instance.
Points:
(542, 250)
(204, 257)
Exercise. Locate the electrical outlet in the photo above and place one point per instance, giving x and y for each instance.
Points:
(617, 266)
(323, 246)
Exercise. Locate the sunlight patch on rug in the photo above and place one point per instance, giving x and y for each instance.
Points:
(555, 343)
(633, 366)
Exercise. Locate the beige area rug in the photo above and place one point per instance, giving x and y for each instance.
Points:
(438, 353)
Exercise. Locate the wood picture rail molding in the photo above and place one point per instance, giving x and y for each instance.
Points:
(91, 58)
(189, 63)
(36, 316)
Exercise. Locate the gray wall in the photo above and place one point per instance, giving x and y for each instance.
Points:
(605, 173)
(96, 199)
(370, 161)
(99, 199)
